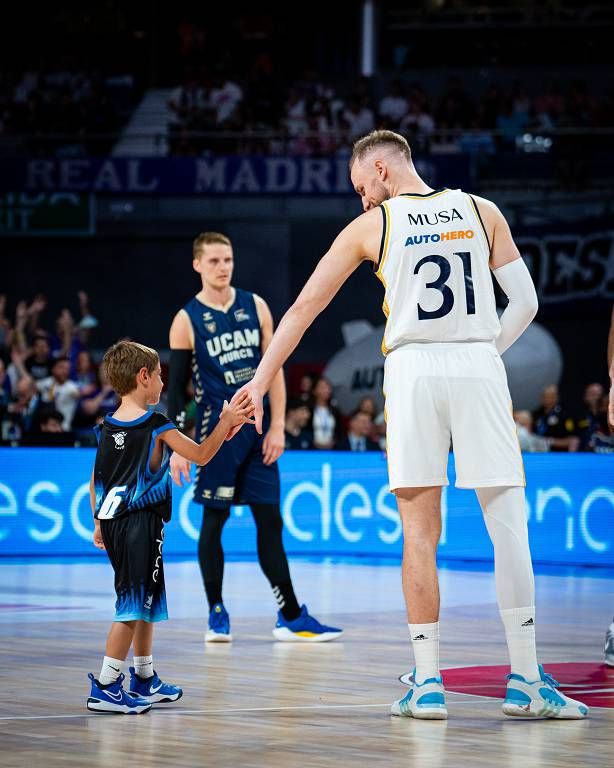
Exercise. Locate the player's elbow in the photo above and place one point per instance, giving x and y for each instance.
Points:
(532, 305)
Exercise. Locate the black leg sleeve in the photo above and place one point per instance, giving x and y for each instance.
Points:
(211, 554)
(272, 557)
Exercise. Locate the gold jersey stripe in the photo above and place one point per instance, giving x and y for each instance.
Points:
(379, 274)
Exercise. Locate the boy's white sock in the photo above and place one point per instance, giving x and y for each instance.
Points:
(143, 666)
(110, 671)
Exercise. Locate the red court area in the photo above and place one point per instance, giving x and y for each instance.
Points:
(591, 682)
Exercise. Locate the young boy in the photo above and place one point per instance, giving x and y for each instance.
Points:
(130, 493)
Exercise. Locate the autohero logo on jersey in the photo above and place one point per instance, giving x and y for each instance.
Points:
(432, 220)
(455, 234)
(237, 345)
(241, 315)
(120, 439)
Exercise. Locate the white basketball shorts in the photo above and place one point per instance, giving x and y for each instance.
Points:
(443, 395)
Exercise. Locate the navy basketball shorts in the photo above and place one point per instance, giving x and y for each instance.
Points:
(237, 473)
(134, 546)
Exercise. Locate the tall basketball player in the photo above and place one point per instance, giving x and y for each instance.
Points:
(434, 250)
(220, 335)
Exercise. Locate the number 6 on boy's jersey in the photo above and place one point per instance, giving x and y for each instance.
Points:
(111, 502)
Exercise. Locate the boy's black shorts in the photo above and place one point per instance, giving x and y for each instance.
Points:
(134, 546)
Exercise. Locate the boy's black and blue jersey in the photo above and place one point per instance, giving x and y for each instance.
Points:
(123, 480)
(227, 347)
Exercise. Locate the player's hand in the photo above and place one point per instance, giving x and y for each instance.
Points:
(611, 409)
(180, 467)
(256, 397)
(97, 537)
(273, 444)
(238, 411)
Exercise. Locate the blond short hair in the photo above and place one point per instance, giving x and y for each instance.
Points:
(124, 360)
(377, 139)
(208, 238)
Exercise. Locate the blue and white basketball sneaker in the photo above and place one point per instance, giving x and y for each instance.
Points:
(540, 699)
(113, 699)
(304, 629)
(152, 689)
(219, 625)
(424, 701)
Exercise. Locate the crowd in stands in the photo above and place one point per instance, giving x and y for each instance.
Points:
(64, 112)
(51, 393)
(552, 427)
(311, 116)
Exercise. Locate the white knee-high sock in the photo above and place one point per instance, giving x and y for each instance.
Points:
(506, 520)
(425, 643)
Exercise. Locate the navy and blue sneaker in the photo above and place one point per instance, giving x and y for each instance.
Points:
(113, 699)
(219, 625)
(152, 689)
(540, 698)
(304, 629)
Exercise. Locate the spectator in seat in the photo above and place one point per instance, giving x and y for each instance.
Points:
(358, 439)
(38, 364)
(298, 436)
(394, 106)
(22, 414)
(529, 442)
(50, 432)
(553, 423)
(92, 407)
(357, 118)
(325, 418)
(60, 391)
(592, 419)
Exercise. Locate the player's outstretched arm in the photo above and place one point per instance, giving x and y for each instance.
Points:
(356, 243)
(234, 414)
(511, 273)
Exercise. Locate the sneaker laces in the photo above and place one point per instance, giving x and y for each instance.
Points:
(549, 680)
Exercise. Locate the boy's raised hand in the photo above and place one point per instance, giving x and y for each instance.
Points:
(238, 412)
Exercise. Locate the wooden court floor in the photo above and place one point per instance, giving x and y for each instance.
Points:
(261, 703)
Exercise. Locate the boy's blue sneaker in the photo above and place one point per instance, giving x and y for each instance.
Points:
(540, 699)
(219, 625)
(424, 701)
(113, 699)
(304, 629)
(152, 689)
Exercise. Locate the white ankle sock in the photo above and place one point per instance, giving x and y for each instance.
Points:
(143, 666)
(519, 626)
(110, 671)
(425, 642)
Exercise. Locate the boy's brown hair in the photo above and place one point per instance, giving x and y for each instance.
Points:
(208, 238)
(124, 360)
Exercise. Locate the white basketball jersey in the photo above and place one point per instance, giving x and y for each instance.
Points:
(434, 267)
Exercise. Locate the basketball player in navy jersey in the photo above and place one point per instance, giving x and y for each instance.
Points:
(220, 335)
(130, 494)
(434, 251)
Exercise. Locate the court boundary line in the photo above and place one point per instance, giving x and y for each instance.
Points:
(240, 710)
